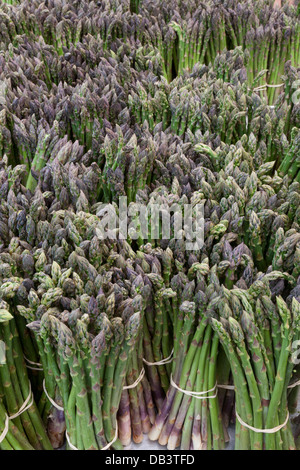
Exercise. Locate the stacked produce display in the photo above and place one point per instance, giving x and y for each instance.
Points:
(106, 338)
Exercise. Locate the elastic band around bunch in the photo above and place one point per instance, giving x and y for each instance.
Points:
(296, 384)
(69, 442)
(260, 88)
(275, 86)
(167, 360)
(103, 448)
(33, 363)
(226, 387)
(232, 387)
(140, 377)
(114, 439)
(197, 395)
(60, 408)
(25, 405)
(264, 431)
(5, 430)
(23, 408)
(266, 85)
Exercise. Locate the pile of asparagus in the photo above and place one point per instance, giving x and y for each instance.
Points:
(104, 339)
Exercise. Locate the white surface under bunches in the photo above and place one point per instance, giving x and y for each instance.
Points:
(150, 445)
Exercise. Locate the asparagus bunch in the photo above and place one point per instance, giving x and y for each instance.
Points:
(74, 291)
(290, 164)
(290, 103)
(25, 428)
(190, 416)
(202, 32)
(257, 335)
(63, 23)
(127, 158)
(90, 381)
(240, 206)
(95, 97)
(58, 331)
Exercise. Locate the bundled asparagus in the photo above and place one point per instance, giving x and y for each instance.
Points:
(65, 344)
(65, 289)
(169, 104)
(22, 427)
(257, 334)
(190, 415)
(208, 99)
(89, 426)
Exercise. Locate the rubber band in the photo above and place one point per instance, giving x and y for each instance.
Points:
(23, 408)
(232, 387)
(5, 431)
(266, 85)
(33, 363)
(34, 368)
(25, 405)
(265, 431)
(140, 377)
(260, 88)
(167, 360)
(114, 439)
(60, 408)
(69, 442)
(197, 395)
(275, 86)
(294, 384)
(103, 448)
(226, 387)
